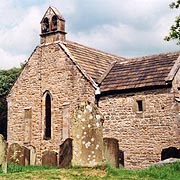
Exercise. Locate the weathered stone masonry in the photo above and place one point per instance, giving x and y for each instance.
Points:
(142, 135)
(63, 81)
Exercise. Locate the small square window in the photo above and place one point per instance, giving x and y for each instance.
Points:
(140, 105)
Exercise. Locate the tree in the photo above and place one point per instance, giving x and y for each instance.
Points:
(174, 33)
(7, 79)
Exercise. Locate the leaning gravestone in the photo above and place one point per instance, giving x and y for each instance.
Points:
(49, 158)
(87, 135)
(65, 153)
(18, 154)
(3, 154)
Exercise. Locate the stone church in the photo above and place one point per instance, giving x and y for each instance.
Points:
(138, 98)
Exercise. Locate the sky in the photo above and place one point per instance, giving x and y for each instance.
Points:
(127, 28)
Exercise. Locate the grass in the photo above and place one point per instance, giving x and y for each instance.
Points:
(167, 172)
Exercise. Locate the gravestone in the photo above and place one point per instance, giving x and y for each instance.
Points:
(65, 154)
(87, 135)
(32, 155)
(3, 154)
(49, 158)
(18, 154)
(26, 156)
(111, 151)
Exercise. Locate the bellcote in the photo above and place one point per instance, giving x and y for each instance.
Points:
(52, 26)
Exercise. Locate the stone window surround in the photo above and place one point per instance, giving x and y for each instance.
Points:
(47, 92)
(136, 106)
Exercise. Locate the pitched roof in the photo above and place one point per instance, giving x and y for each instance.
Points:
(140, 72)
(94, 62)
(113, 73)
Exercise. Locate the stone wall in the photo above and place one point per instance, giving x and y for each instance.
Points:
(144, 123)
(48, 70)
(142, 134)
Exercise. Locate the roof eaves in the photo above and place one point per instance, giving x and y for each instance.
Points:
(65, 49)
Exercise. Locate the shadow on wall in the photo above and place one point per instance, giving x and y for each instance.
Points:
(171, 152)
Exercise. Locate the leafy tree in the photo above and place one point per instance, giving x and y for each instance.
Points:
(174, 33)
(7, 79)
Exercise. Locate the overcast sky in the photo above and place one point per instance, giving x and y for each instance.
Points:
(127, 28)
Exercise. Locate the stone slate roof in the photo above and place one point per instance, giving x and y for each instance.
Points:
(94, 62)
(117, 73)
(140, 72)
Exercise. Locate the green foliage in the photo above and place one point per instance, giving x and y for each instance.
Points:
(174, 33)
(7, 79)
(175, 4)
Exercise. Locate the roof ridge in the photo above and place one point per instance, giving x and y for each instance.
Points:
(154, 55)
(97, 50)
(106, 72)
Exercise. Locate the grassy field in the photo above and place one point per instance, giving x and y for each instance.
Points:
(168, 172)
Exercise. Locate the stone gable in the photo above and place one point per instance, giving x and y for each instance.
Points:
(48, 69)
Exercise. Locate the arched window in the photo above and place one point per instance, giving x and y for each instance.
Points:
(45, 25)
(54, 23)
(48, 117)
